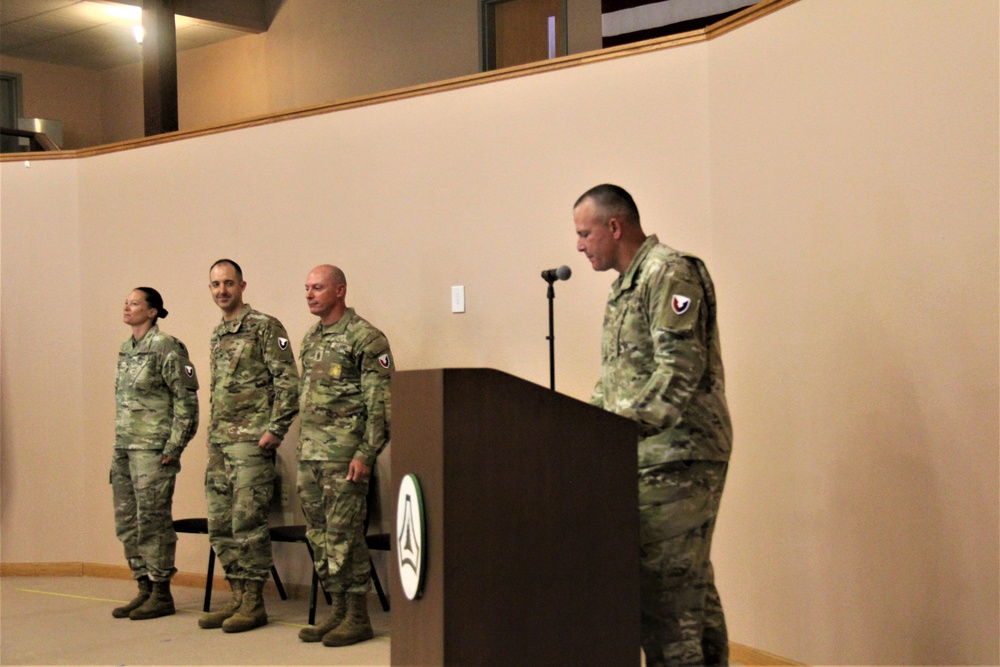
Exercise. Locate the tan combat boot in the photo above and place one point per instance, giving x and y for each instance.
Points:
(214, 619)
(251, 613)
(159, 603)
(315, 633)
(145, 588)
(357, 627)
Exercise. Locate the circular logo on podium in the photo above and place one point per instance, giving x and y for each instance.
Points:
(410, 537)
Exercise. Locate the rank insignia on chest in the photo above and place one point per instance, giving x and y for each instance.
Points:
(283, 343)
(680, 304)
(335, 370)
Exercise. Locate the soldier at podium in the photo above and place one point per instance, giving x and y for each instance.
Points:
(344, 410)
(661, 366)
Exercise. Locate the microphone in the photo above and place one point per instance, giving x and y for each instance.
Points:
(552, 275)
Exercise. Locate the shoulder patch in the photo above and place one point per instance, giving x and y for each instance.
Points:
(680, 303)
(384, 360)
(283, 343)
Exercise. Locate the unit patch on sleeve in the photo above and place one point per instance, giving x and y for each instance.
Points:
(680, 303)
(680, 306)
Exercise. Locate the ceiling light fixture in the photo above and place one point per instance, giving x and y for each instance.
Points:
(127, 12)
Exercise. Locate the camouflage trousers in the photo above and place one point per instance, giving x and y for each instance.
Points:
(143, 492)
(239, 486)
(682, 619)
(335, 511)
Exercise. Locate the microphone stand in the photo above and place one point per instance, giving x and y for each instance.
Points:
(552, 336)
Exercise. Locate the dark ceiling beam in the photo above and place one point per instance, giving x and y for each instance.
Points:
(250, 15)
(159, 67)
(159, 47)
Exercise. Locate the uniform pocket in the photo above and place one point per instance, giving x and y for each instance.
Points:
(672, 501)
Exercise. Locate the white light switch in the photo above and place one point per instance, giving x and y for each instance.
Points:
(458, 298)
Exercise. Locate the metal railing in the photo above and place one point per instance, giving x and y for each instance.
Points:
(37, 141)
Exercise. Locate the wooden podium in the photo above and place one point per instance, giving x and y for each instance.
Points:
(531, 517)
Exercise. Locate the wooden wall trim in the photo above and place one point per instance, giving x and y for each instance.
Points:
(713, 31)
(220, 587)
(752, 657)
(41, 569)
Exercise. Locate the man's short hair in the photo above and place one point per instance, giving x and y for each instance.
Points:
(612, 200)
(239, 271)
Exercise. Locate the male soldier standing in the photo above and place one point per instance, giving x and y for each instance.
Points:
(345, 415)
(661, 366)
(254, 397)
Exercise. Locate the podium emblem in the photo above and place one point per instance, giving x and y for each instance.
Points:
(410, 535)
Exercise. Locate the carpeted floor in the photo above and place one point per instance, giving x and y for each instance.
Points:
(67, 621)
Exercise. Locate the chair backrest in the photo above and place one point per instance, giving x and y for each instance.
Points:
(380, 540)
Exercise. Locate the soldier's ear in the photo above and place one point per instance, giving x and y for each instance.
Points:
(615, 227)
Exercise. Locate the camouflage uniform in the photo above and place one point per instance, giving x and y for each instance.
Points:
(255, 387)
(345, 414)
(157, 415)
(661, 366)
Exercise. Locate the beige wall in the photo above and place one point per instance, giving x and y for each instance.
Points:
(855, 201)
(40, 225)
(69, 94)
(315, 52)
(836, 164)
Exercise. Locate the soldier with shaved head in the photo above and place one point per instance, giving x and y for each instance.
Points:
(344, 410)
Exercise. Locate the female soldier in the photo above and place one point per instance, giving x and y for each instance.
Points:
(157, 415)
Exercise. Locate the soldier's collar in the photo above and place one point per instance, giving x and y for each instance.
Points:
(146, 337)
(627, 280)
(232, 326)
(340, 325)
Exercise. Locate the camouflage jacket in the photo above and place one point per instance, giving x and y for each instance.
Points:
(661, 362)
(255, 383)
(156, 391)
(345, 405)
